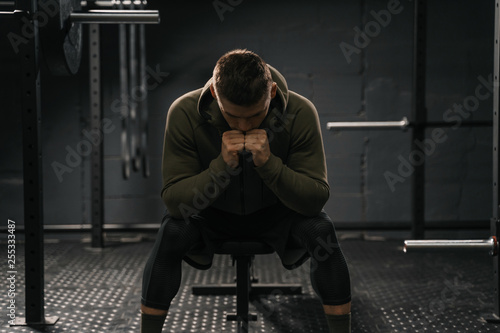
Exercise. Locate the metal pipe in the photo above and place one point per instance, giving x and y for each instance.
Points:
(11, 14)
(116, 16)
(106, 4)
(111, 3)
(96, 158)
(344, 225)
(490, 245)
(402, 124)
(143, 119)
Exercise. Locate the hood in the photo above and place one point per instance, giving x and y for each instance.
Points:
(209, 108)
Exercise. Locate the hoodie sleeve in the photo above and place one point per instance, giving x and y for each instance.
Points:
(300, 184)
(185, 185)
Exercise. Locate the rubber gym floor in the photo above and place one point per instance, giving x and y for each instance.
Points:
(92, 290)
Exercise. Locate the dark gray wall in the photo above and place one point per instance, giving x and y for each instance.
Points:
(303, 40)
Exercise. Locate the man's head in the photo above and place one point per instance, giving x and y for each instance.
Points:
(243, 87)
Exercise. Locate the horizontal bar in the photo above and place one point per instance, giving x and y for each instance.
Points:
(107, 4)
(345, 225)
(445, 244)
(257, 289)
(7, 3)
(10, 14)
(402, 124)
(117, 16)
(455, 125)
(112, 3)
(108, 226)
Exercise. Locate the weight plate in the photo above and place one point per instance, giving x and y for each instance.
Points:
(60, 38)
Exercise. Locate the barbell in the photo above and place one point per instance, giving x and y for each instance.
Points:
(489, 245)
(401, 124)
(60, 23)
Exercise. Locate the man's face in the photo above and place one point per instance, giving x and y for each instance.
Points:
(245, 118)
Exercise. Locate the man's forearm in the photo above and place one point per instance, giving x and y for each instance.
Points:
(297, 191)
(190, 195)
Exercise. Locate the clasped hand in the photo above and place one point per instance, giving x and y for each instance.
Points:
(254, 141)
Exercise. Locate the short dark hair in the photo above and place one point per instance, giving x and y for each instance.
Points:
(242, 77)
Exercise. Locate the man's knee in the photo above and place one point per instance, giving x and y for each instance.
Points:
(319, 228)
(173, 228)
(177, 235)
(319, 237)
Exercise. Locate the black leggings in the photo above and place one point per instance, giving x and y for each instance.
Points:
(329, 272)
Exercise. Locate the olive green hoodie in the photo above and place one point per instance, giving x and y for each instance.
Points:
(195, 175)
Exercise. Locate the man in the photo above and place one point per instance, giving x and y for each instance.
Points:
(243, 157)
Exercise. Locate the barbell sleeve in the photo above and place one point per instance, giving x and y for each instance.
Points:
(111, 3)
(490, 245)
(104, 4)
(10, 14)
(402, 124)
(117, 16)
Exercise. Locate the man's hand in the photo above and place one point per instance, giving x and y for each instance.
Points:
(233, 143)
(257, 143)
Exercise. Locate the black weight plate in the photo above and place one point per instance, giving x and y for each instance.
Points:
(61, 40)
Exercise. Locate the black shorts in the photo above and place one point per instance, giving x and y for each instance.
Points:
(270, 225)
